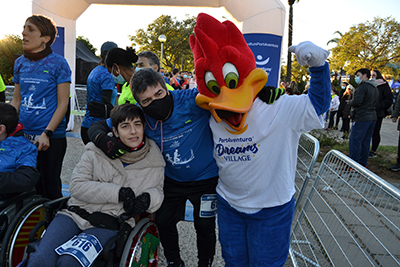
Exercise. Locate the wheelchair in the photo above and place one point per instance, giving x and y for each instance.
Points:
(18, 215)
(130, 247)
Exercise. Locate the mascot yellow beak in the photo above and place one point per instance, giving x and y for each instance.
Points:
(232, 105)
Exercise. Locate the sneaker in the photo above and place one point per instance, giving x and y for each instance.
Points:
(395, 167)
(372, 154)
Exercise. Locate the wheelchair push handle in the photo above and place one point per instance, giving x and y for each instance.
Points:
(126, 216)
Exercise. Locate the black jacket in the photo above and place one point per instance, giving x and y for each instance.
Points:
(344, 107)
(364, 102)
(385, 99)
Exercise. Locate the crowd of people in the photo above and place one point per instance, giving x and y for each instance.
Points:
(373, 99)
(152, 148)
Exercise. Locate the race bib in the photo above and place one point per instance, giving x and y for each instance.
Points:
(85, 248)
(31, 137)
(208, 206)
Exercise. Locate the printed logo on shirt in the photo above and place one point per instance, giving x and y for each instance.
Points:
(176, 159)
(240, 152)
(28, 103)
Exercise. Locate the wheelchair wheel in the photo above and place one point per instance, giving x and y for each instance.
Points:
(136, 247)
(16, 238)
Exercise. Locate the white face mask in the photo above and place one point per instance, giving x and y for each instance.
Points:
(117, 79)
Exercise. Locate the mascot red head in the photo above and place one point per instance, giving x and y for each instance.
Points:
(227, 77)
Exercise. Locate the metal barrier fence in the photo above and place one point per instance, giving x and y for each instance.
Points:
(307, 153)
(350, 218)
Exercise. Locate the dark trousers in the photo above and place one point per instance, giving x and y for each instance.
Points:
(49, 164)
(398, 150)
(360, 140)
(3, 96)
(172, 211)
(346, 125)
(61, 230)
(338, 116)
(331, 118)
(376, 136)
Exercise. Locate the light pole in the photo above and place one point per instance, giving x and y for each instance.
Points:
(162, 38)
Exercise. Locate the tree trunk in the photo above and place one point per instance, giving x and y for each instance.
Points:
(290, 34)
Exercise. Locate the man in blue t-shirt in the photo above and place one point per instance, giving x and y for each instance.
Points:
(181, 130)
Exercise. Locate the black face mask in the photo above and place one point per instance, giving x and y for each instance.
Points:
(160, 109)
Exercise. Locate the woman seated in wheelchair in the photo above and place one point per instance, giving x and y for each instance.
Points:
(18, 156)
(101, 190)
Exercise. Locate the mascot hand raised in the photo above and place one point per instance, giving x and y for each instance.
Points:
(309, 54)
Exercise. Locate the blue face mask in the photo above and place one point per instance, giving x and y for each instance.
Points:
(358, 80)
(185, 76)
(137, 68)
(118, 79)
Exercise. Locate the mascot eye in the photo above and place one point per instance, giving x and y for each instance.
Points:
(231, 75)
(211, 83)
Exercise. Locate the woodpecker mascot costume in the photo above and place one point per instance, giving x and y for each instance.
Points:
(256, 132)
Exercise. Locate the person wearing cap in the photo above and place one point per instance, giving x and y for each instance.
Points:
(100, 88)
(2, 90)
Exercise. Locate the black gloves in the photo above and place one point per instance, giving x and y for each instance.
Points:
(131, 204)
(99, 110)
(142, 203)
(111, 146)
(127, 196)
(270, 94)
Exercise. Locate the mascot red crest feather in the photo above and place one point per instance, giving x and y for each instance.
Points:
(227, 77)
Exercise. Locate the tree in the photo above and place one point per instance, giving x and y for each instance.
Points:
(290, 34)
(9, 46)
(86, 42)
(177, 50)
(336, 41)
(370, 45)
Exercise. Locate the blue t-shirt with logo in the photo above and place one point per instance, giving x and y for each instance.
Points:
(38, 82)
(187, 144)
(99, 79)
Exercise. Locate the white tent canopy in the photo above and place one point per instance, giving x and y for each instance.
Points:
(256, 16)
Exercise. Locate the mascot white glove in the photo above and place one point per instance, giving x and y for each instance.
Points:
(309, 53)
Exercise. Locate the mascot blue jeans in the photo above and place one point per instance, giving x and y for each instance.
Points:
(259, 239)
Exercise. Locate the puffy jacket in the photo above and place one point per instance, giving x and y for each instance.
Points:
(97, 179)
(18, 159)
(364, 102)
